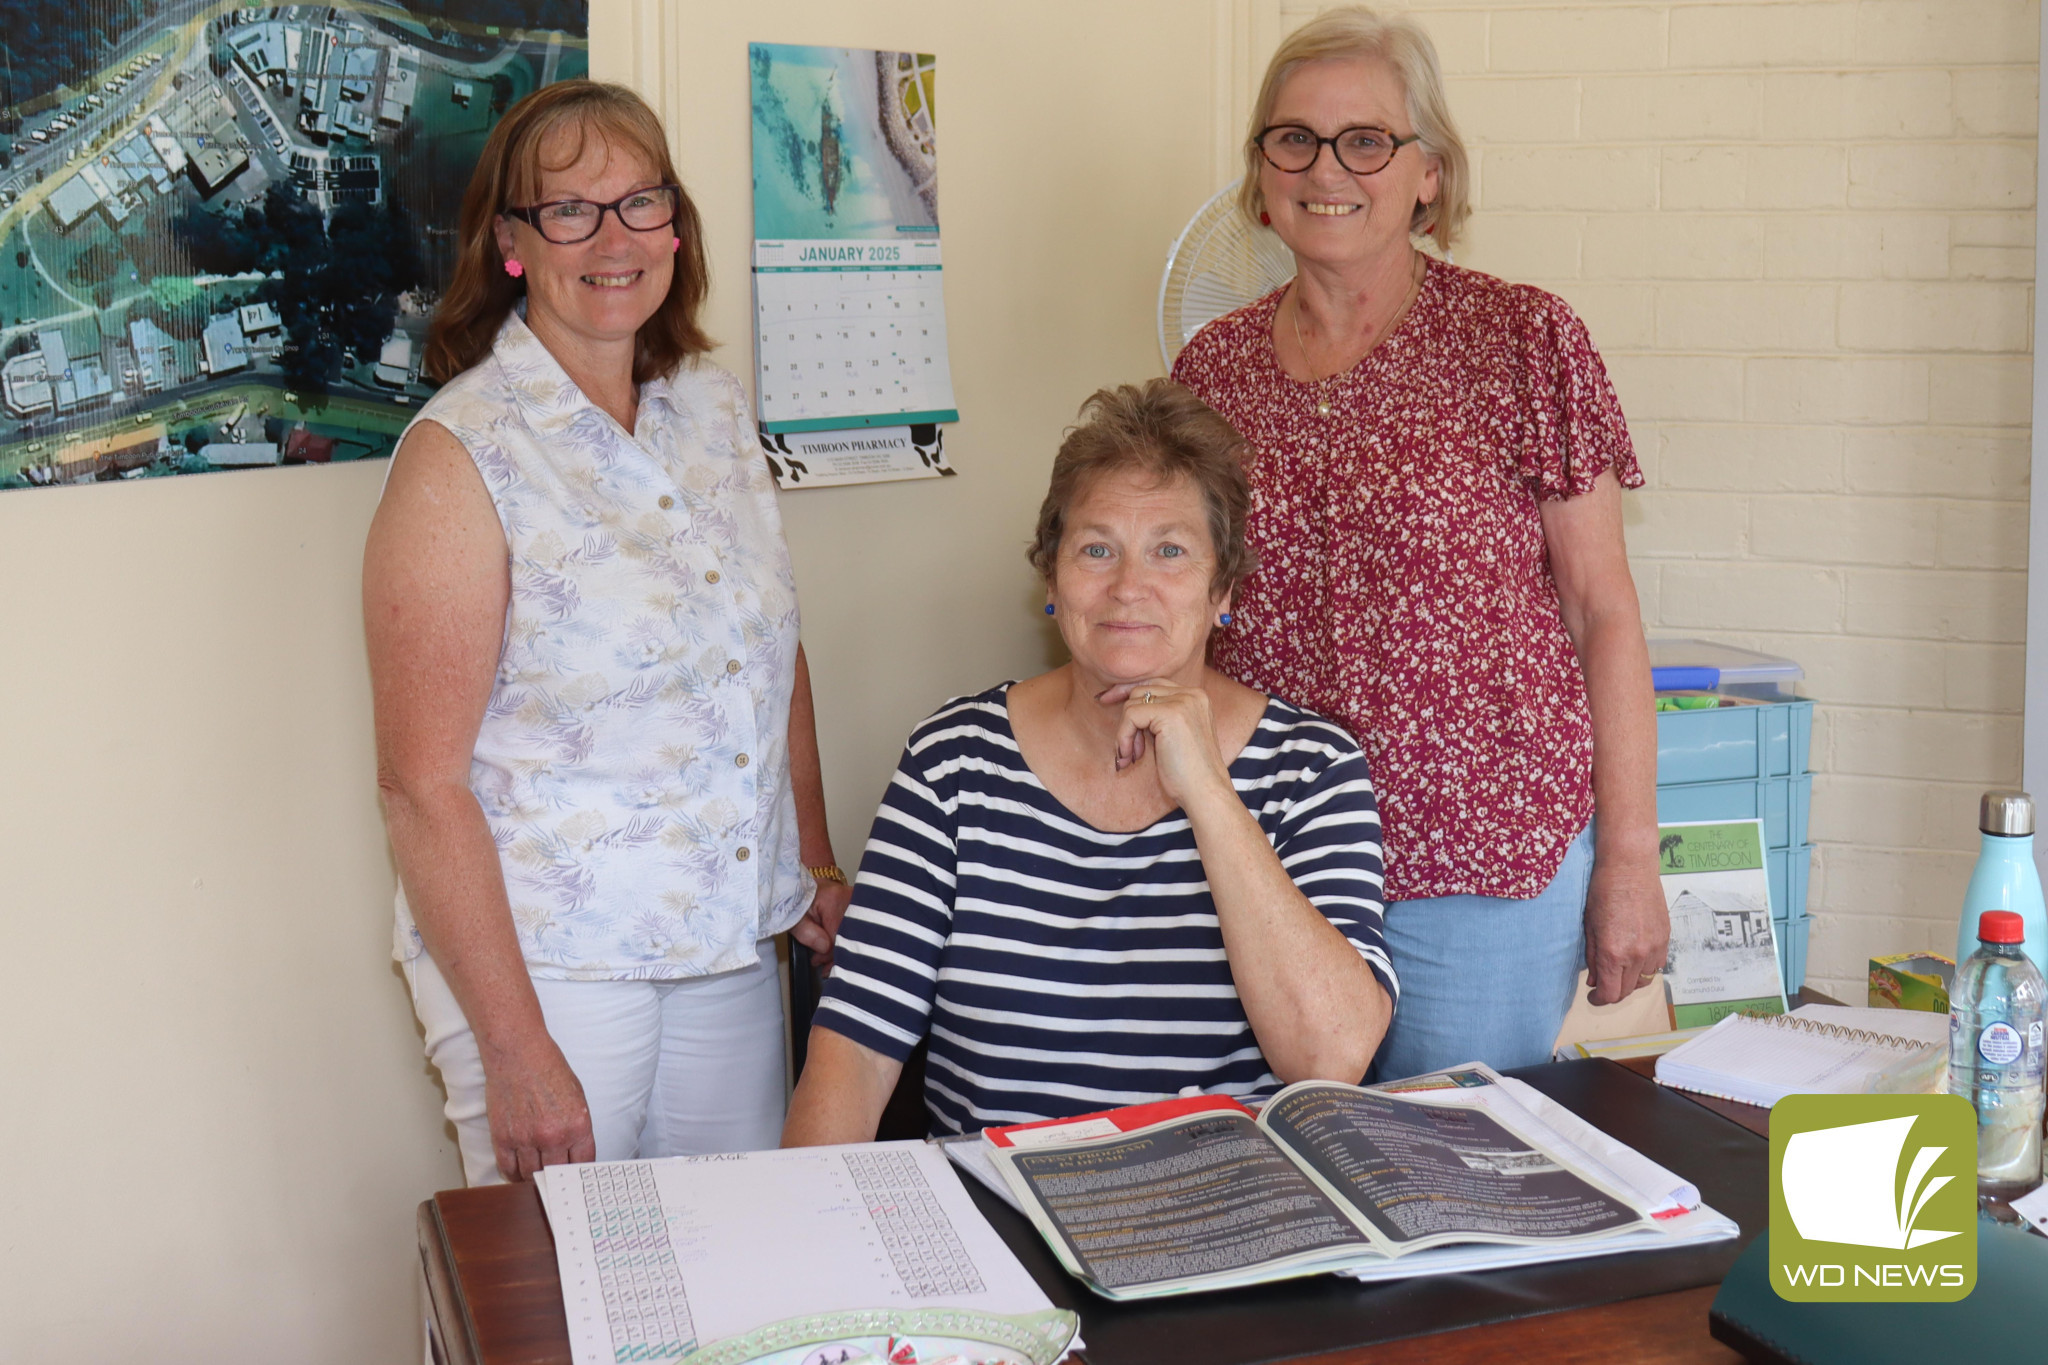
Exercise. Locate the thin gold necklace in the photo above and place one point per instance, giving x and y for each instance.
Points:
(1323, 398)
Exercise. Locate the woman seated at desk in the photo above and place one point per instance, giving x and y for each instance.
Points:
(1128, 876)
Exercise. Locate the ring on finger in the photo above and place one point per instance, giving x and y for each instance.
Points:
(1148, 699)
(1649, 976)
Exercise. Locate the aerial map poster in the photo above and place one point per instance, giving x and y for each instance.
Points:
(223, 228)
(851, 373)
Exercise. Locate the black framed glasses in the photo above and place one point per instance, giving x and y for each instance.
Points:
(568, 221)
(1293, 148)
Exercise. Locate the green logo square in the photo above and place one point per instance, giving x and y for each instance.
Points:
(1873, 1198)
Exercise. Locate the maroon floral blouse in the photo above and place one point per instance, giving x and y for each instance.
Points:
(1404, 586)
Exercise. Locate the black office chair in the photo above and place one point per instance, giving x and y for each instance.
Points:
(904, 1116)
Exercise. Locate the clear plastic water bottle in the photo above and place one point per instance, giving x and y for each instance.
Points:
(1995, 1054)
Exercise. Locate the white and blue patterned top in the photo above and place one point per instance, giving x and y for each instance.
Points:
(633, 763)
(1058, 968)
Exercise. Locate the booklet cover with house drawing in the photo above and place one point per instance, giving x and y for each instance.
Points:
(1724, 957)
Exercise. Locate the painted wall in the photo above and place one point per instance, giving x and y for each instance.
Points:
(1802, 233)
(218, 1121)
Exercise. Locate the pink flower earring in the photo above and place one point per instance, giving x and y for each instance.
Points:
(514, 269)
(675, 244)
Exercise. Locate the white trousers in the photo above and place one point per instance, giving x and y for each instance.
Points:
(668, 1068)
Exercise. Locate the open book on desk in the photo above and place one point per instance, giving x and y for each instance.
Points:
(1451, 1173)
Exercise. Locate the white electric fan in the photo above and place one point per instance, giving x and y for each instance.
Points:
(1219, 263)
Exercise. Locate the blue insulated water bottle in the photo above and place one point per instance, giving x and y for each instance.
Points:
(2005, 878)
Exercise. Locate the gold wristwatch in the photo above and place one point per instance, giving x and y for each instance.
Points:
(829, 872)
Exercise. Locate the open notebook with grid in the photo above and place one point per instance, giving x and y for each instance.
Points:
(1813, 1050)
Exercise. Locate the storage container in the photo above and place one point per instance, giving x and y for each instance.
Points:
(1780, 802)
(1746, 760)
(1735, 743)
(1791, 869)
(1792, 936)
(1703, 666)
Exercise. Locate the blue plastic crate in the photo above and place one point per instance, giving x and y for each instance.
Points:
(1780, 802)
(1734, 743)
(1749, 762)
(1790, 869)
(1791, 935)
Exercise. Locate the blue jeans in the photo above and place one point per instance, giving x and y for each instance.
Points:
(1486, 978)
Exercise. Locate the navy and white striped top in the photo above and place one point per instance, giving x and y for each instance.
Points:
(1060, 969)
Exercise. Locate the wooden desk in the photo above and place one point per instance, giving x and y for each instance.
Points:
(496, 1295)
(497, 1300)
(1751, 1116)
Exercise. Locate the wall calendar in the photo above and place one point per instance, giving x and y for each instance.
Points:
(849, 294)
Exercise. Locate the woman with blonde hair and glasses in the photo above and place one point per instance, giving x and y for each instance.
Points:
(594, 730)
(1437, 511)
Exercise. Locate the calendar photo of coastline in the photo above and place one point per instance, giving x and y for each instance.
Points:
(845, 142)
(851, 372)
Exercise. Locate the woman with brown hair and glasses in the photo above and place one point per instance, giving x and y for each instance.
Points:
(594, 728)
(1437, 509)
(1129, 875)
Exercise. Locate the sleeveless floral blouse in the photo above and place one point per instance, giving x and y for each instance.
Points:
(633, 762)
(1404, 585)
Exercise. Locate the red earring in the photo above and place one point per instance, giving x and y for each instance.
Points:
(1265, 218)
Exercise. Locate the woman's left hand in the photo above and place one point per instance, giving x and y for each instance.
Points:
(1628, 930)
(1176, 723)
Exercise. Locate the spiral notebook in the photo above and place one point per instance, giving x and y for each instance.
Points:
(1815, 1050)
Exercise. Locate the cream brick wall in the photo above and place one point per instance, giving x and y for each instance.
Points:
(1802, 234)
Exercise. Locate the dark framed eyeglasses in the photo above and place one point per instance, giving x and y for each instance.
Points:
(1293, 148)
(567, 221)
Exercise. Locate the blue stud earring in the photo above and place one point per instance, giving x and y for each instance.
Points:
(1224, 619)
(1048, 609)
